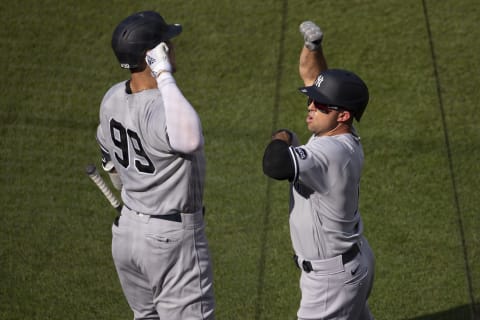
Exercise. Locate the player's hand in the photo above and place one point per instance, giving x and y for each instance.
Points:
(286, 135)
(157, 60)
(312, 34)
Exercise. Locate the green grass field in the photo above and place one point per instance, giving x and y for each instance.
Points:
(238, 67)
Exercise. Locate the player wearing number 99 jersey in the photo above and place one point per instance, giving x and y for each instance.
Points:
(133, 136)
(152, 145)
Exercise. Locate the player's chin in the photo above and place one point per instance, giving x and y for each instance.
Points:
(311, 129)
(309, 124)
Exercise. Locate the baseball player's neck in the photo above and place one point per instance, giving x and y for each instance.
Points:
(140, 81)
(341, 128)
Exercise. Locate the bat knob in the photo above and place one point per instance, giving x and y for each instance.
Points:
(90, 169)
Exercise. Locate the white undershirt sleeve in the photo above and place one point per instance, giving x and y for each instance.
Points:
(183, 123)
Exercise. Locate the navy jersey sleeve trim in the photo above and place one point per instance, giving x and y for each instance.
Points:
(294, 164)
(106, 158)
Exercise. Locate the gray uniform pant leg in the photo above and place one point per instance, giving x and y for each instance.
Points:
(164, 267)
(340, 293)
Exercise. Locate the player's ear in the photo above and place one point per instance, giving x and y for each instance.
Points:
(344, 116)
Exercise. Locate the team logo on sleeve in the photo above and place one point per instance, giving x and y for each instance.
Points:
(302, 153)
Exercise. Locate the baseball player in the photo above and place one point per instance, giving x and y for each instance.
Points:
(335, 259)
(152, 146)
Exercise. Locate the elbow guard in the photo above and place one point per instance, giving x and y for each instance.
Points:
(277, 162)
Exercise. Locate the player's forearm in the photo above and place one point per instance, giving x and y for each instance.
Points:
(311, 63)
(183, 123)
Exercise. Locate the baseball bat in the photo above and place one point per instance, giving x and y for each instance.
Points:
(92, 172)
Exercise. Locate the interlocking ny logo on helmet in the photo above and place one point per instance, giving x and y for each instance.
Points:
(319, 80)
(341, 88)
(138, 33)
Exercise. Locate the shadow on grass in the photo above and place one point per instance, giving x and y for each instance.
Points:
(458, 313)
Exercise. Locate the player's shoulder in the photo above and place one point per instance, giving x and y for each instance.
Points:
(115, 89)
(331, 146)
(323, 142)
(113, 93)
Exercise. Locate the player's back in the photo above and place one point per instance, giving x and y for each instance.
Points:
(156, 179)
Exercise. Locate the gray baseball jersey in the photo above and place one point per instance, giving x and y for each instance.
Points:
(133, 135)
(324, 216)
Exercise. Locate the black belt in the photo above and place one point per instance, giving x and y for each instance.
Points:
(177, 217)
(346, 258)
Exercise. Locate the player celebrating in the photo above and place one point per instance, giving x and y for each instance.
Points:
(152, 145)
(336, 261)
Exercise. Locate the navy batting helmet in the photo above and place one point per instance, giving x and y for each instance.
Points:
(340, 88)
(138, 33)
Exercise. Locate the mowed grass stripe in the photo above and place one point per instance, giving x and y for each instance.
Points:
(455, 32)
(458, 211)
(268, 194)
